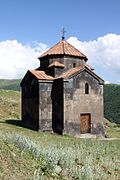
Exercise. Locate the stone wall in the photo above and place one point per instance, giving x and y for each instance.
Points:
(30, 103)
(45, 105)
(76, 102)
(72, 62)
(68, 62)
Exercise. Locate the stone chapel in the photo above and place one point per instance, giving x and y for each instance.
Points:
(64, 95)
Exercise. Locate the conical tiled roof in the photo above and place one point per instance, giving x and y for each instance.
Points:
(63, 48)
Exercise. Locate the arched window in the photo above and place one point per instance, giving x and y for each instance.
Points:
(74, 64)
(86, 88)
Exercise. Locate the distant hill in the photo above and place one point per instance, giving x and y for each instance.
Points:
(112, 102)
(8, 84)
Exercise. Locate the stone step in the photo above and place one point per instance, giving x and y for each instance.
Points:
(87, 135)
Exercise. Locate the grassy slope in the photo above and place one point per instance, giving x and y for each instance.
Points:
(14, 164)
(26, 154)
(9, 104)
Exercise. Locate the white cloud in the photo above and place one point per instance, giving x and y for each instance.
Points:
(107, 82)
(102, 53)
(16, 58)
(118, 81)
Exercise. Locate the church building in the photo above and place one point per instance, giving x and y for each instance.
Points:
(64, 95)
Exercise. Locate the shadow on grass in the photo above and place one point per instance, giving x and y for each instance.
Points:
(18, 122)
(14, 122)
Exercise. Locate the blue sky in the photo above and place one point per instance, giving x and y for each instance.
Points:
(31, 22)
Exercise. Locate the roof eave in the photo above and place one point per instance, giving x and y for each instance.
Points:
(45, 81)
(61, 55)
(101, 81)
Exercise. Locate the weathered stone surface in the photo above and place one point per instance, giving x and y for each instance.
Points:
(45, 106)
(77, 102)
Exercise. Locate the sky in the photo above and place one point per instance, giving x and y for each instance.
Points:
(29, 27)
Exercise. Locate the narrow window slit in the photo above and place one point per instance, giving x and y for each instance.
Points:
(74, 64)
(86, 88)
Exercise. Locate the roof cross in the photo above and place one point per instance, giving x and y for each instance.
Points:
(63, 33)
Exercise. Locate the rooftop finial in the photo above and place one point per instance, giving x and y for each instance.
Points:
(63, 33)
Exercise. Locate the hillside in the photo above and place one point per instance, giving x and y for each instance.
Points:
(7, 84)
(112, 102)
(9, 104)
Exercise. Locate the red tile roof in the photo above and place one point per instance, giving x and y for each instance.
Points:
(79, 69)
(56, 64)
(40, 75)
(71, 72)
(63, 48)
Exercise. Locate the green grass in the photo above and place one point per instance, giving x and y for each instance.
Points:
(27, 154)
(43, 155)
(9, 104)
(112, 129)
(15, 164)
